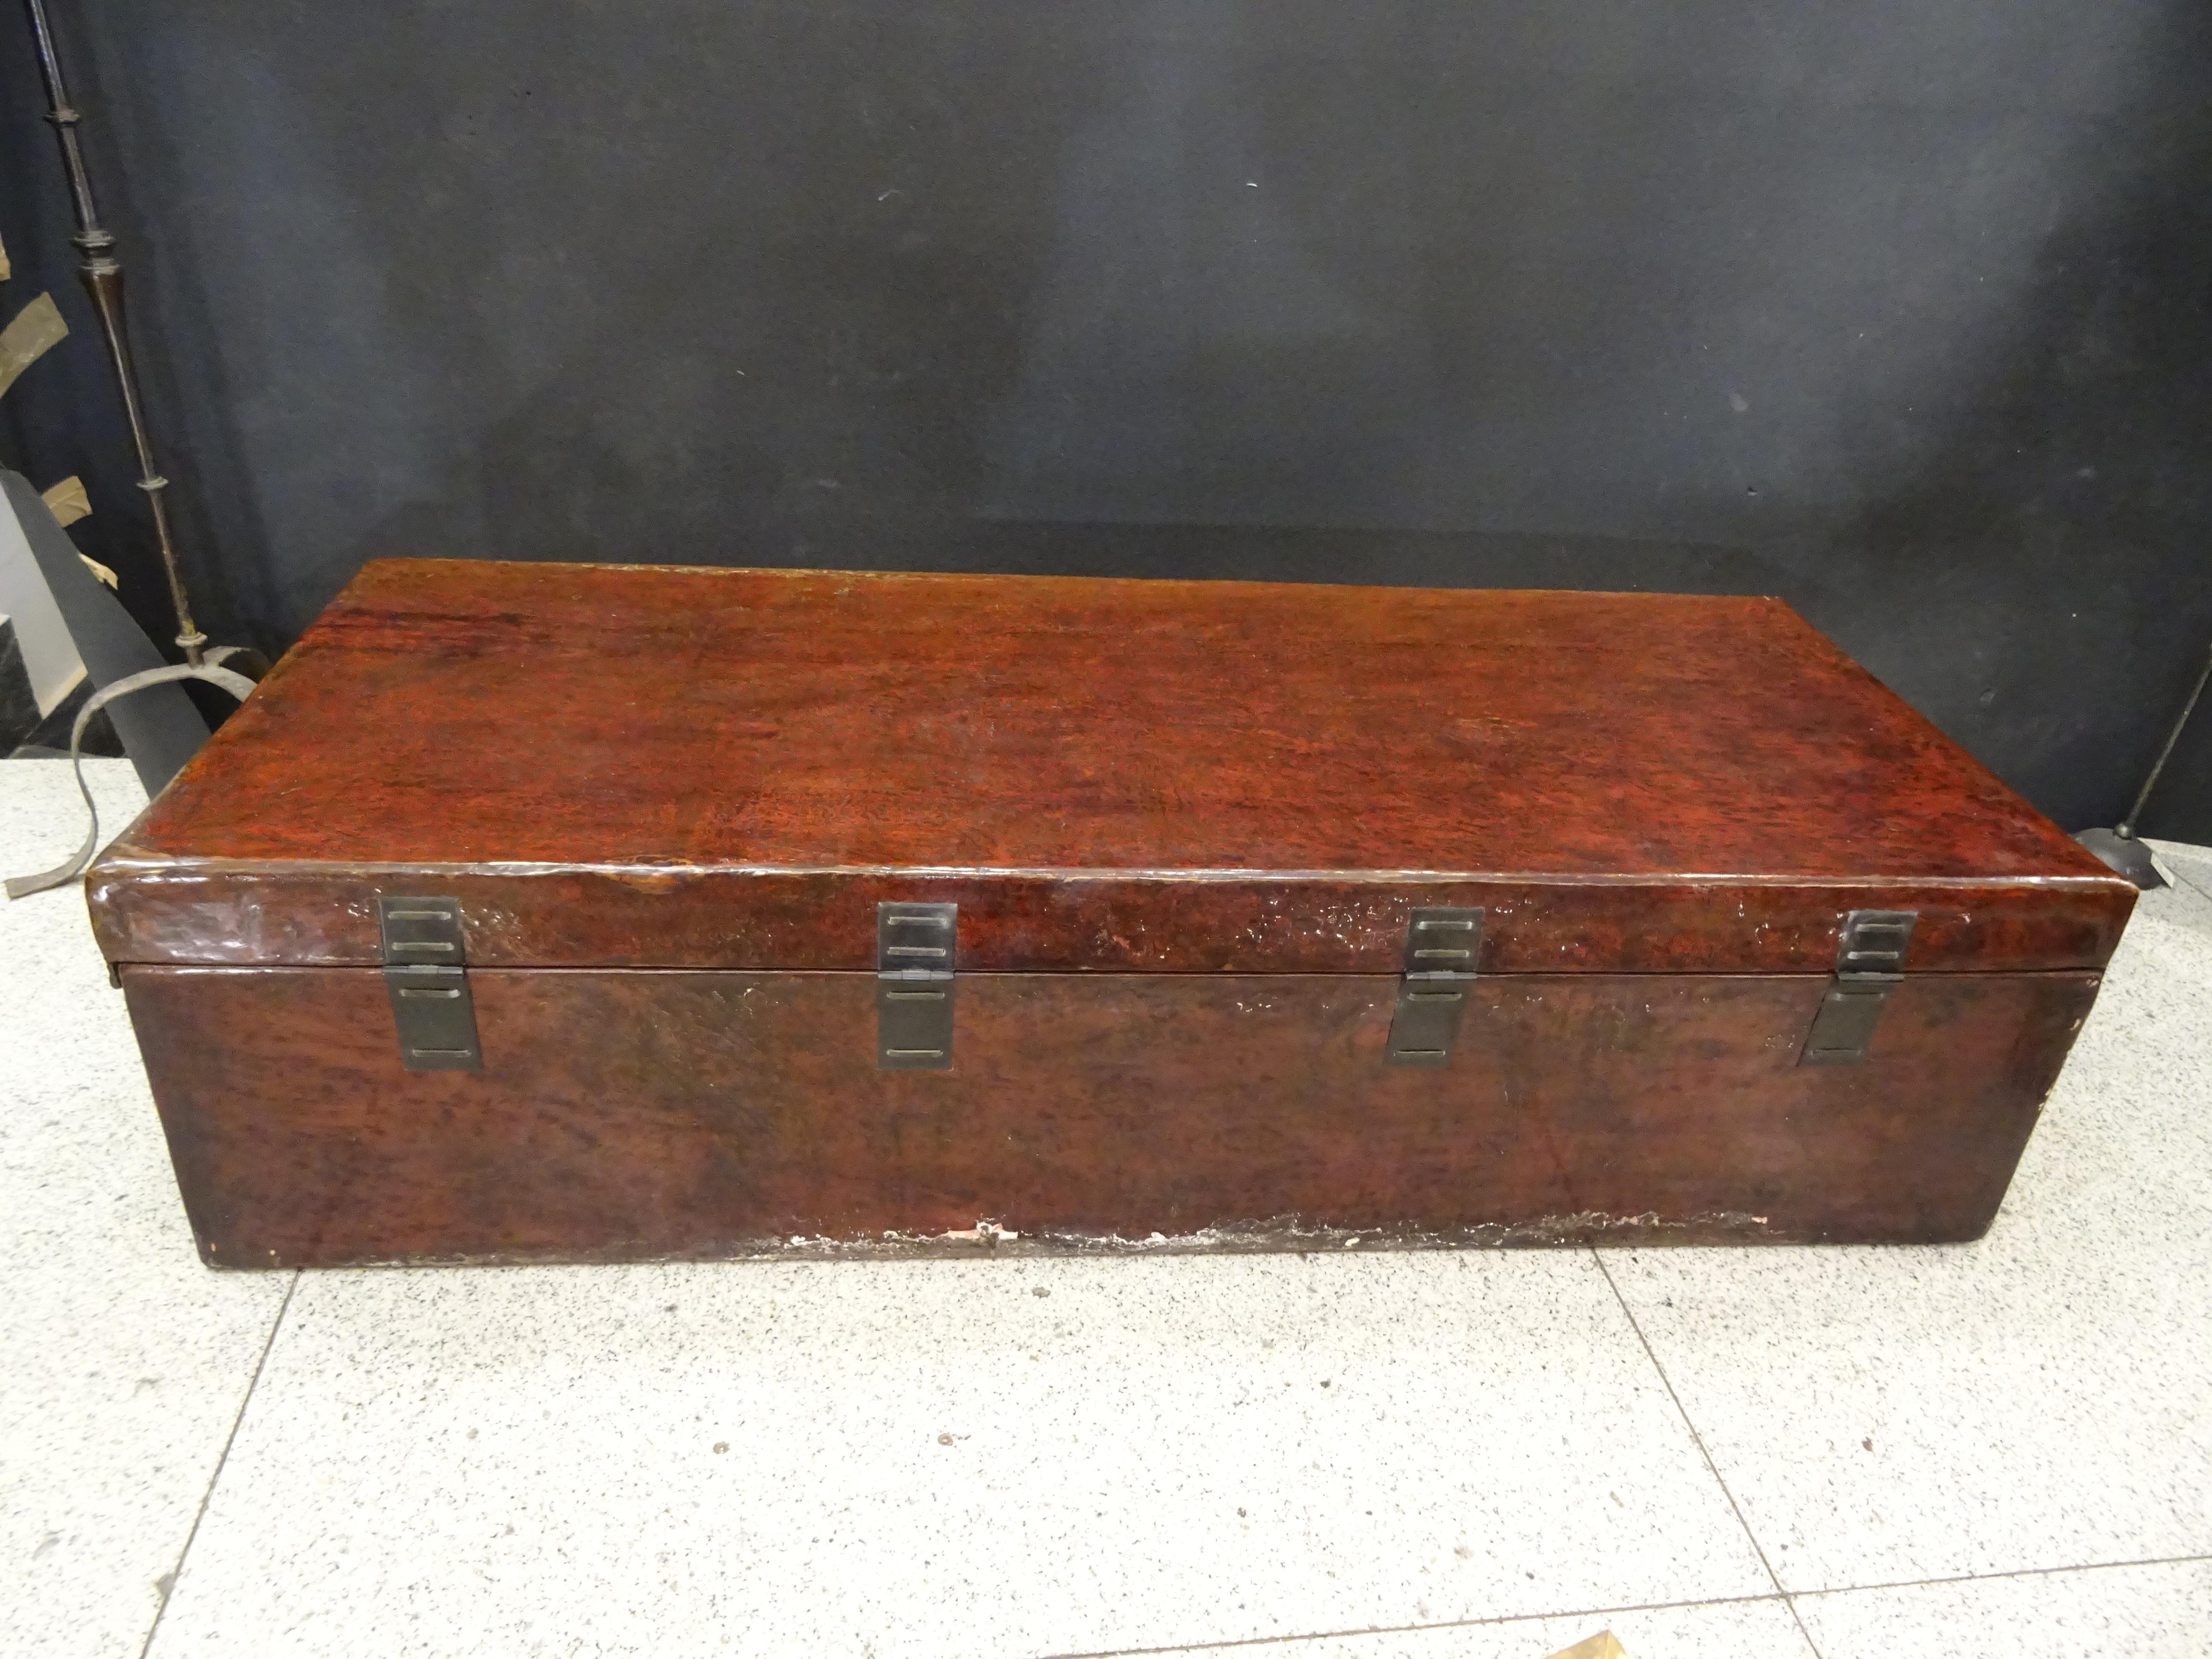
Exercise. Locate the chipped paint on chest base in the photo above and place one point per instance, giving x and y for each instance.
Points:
(1284, 1235)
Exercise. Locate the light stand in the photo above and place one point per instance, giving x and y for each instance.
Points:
(2118, 846)
(103, 280)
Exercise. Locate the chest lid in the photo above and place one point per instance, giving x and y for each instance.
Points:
(631, 766)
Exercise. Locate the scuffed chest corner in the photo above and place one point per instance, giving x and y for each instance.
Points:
(153, 908)
(111, 881)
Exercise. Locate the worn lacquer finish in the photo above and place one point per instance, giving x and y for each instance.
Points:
(1085, 921)
(619, 766)
(631, 1115)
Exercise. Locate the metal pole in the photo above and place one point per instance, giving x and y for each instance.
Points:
(2125, 829)
(103, 280)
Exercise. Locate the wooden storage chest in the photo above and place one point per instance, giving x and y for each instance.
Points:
(580, 912)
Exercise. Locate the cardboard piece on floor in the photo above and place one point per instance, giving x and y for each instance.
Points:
(1603, 1646)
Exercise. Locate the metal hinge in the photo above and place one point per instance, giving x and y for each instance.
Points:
(1870, 964)
(426, 978)
(917, 948)
(1443, 946)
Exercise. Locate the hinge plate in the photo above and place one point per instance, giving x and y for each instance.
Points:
(1443, 946)
(917, 951)
(426, 977)
(1869, 965)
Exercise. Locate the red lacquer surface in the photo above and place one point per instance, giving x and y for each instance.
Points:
(629, 766)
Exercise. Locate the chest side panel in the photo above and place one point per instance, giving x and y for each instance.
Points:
(636, 1114)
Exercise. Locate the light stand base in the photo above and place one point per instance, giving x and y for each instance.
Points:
(2125, 854)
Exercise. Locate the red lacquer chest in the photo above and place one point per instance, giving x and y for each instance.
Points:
(564, 912)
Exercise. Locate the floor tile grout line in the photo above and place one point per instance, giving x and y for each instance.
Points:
(2009, 1572)
(2190, 883)
(1403, 1629)
(1783, 1597)
(1734, 1508)
(228, 1440)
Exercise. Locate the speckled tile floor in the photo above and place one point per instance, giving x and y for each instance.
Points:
(1997, 1449)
